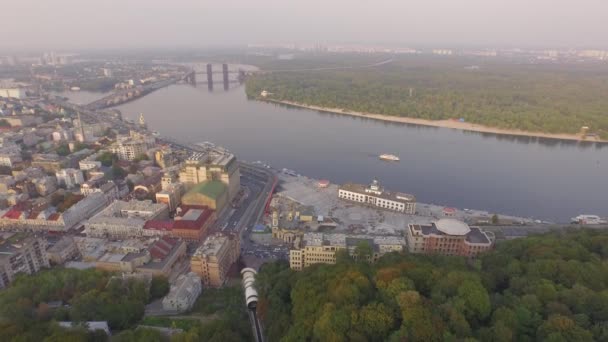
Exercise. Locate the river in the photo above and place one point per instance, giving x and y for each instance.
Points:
(543, 179)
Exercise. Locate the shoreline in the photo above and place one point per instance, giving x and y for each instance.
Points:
(464, 126)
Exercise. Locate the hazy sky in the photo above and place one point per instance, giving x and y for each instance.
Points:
(198, 23)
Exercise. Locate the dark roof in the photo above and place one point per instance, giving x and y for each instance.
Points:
(162, 248)
(159, 225)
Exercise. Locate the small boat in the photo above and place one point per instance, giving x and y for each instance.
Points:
(389, 157)
(587, 219)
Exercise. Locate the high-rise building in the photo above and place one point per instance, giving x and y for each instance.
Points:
(448, 237)
(221, 167)
(213, 259)
(21, 254)
(69, 177)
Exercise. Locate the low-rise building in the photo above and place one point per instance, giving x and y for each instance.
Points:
(192, 222)
(213, 259)
(183, 293)
(63, 250)
(448, 237)
(315, 248)
(125, 219)
(10, 159)
(159, 259)
(374, 195)
(21, 254)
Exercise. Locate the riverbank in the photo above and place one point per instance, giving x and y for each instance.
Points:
(465, 126)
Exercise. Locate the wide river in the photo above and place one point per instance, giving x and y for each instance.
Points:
(547, 179)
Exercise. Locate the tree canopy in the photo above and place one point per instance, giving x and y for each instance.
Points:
(548, 287)
(532, 97)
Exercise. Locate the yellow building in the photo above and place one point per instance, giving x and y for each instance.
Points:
(319, 248)
(212, 194)
(213, 259)
(222, 167)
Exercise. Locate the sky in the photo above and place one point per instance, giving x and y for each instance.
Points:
(65, 24)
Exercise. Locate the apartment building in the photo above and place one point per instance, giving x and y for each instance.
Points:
(315, 248)
(448, 237)
(213, 259)
(20, 253)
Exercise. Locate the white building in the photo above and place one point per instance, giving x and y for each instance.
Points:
(69, 177)
(376, 196)
(10, 159)
(125, 219)
(183, 293)
(128, 148)
(16, 93)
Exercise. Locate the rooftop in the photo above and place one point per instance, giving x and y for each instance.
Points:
(212, 189)
(452, 227)
(393, 196)
(344, 240)
(212, 245)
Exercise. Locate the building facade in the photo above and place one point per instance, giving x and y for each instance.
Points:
(125, 219)
(69, 177)
(316, 248)
(448, 237)
(213, 259)
(21, 255)
(62, 251)
(375, 196)
(183, 294)
(221, 167)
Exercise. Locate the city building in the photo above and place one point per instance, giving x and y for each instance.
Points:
(164, 158)
(374, 195)
(10, 159)
(20, 253)
(19, 216)
(15, 93)
(48, 162)
(171, 195)
(213, 259)
(62, 251)
(45, 185)
(315, 248)
(193, 222)
(158, 259)
(132, 146)
(190, 223)
(69, 177)
(211, 193)
(183, 294)
(448, 237)
(125, 219)
(222, 167)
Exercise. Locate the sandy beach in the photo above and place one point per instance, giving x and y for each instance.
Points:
(439, 123)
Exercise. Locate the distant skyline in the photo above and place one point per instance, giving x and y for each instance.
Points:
(117, 24)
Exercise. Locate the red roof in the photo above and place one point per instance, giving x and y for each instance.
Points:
(54, 217)
(162, 248)
(12, 214)
(196, 224)
(33, 215)
(164, 225)
(449, 210)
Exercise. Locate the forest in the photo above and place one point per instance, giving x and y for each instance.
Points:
(525, 96)
(31, 307)
(550, 287)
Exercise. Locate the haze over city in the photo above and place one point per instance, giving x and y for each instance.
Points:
(289, 170)
(69, 24)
